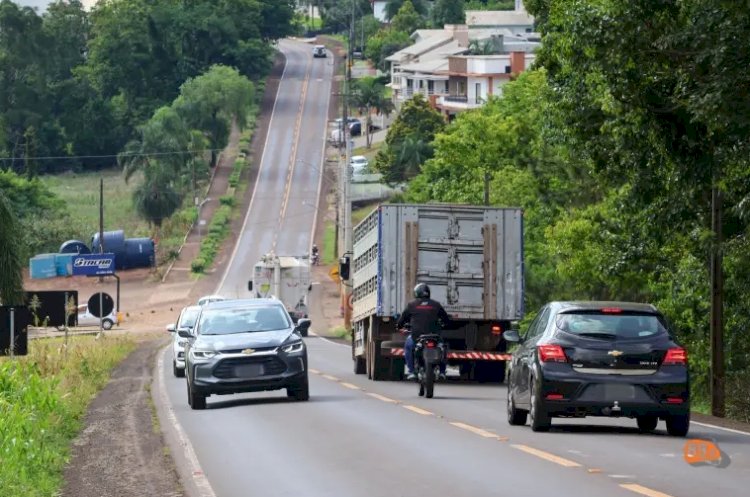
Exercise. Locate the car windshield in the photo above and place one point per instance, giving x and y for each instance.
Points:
(243, 320)
(611, 326)
(187, 320)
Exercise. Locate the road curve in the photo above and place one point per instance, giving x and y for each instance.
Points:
(360, 438)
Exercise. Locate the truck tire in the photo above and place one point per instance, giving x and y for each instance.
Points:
(378, 367)
(489, 372)
(360, 367)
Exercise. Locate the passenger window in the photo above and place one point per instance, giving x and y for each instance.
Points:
(539, 324)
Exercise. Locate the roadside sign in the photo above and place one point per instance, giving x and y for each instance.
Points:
(107, 303)
(94, 265)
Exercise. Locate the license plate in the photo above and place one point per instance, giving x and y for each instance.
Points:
(248, 370)
(616, 391)
(431, 355)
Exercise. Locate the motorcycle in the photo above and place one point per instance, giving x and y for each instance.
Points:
(315, 258)
(429, 353)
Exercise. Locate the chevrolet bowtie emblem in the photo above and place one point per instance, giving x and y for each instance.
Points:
(248, 351)
(615, 353)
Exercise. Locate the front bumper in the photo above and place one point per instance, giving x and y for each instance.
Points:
(567, 393)
(236, 373)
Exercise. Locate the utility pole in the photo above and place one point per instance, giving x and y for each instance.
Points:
(348, 246)
(101, 251)
(717, 305)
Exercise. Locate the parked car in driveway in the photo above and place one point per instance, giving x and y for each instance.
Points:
(186, 322)
(85, 318)
(245, 346)
(579, 359)
(359, 164)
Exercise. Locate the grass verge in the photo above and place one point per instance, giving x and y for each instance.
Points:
(43, 398)
(340, 332)
(329, 244)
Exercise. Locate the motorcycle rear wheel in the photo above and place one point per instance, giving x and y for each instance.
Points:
(429, 380)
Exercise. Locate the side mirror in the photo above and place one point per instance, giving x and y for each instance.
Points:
(171, 328)
(303, 324)
(512, 336)
(185, 334)
(250, 285)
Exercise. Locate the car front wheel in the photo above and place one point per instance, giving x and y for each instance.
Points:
(195, 400)
(300, 391)
(178, 372)
(107, 324)
(516, 417)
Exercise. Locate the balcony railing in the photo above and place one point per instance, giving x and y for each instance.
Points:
(463, 99)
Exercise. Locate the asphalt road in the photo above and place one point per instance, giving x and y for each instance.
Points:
(284, 204)
(360, 438)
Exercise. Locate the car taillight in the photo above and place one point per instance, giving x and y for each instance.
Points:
(551, 353)
(554, 396)
(676, 355)
(674, 400)
(497, 329)
(430, 345)
(611, 310)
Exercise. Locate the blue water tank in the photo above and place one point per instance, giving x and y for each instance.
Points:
(64, 264)
(43, 266)
(114, 242)
(139, 252)
(74, 247)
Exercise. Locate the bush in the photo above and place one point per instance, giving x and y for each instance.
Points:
(227, 200)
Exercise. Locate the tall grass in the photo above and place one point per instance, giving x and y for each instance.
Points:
(328, 251)
(43, 398)
(80, 191)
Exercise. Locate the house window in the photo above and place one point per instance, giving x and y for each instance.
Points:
(430, 87)
(507, 69)
(478, 92)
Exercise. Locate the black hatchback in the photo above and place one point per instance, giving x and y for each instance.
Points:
(579, 359)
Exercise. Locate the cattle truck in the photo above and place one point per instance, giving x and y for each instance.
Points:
(286, 278)
(471, 258)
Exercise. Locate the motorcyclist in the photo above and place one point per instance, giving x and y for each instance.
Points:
(315, 255)
(426, 316)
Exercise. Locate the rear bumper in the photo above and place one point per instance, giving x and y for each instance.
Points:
(666, 392)
(458, 355)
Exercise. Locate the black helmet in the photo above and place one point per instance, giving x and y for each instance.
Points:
(422, 291)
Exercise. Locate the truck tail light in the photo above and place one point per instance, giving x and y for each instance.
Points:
(551, 353)
(430, 345)
(676, 356)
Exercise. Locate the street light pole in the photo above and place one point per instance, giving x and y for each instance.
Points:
(348, 246)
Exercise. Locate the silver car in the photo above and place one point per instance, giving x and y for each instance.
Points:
(245, 346)
(186, 322)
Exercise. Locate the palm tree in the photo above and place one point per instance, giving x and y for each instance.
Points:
(156, 198)
(369, 94)
(481, 47)
(410, 154)
(11, 280)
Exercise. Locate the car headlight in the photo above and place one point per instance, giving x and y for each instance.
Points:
(293, 347)
(202, 355)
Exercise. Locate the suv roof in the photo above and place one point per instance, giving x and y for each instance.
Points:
(228, 304)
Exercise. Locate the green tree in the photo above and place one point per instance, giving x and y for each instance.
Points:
(156, 199)
(212, 100)
(407, 19)
(11, 264)
(418, 122)
(368, 95)
(384, 44)
(393, 7)
(448, 12)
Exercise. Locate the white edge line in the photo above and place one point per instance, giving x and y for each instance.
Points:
(347, 345)
(322, 159)
(730, 430)
(257, 179)
(193, 473)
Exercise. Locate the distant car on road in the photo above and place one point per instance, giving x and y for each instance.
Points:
(319, 51)
(185, 321)
(210, 298)
(613, 359)
(245, 346)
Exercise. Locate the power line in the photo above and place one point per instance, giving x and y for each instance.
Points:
(114, 156)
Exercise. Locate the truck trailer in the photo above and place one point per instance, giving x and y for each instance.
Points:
(286, 278)
(472, 259)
